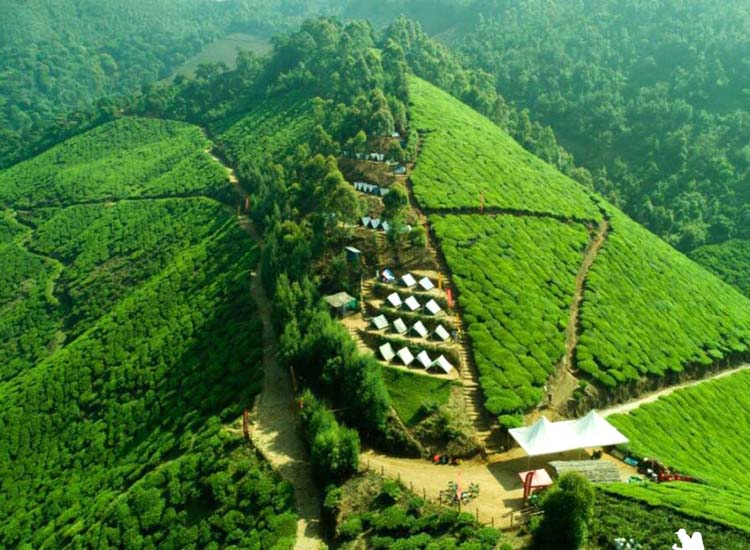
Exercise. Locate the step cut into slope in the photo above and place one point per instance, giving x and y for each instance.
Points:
(465, 155)
(646, 309)
(703, 432)
(515, 277)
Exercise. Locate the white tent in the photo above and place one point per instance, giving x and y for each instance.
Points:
(441, 333)
(412, 304)
(386, 352)
(385, 226)
(399, 326)
(405, 355)
(380, 322)
(432, 307)
(365, 220)
(593, 431)
(443, 364)
(426, 283)
(375, 223)
(408, 280)
(394, 299)
(545, 437)
(419, 329)
(424, 359)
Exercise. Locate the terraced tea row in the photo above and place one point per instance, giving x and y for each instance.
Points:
(701, 431)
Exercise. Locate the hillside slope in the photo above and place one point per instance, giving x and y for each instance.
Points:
(132, 337)
(646, 312)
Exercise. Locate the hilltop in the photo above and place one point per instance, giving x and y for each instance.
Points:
(636, 314)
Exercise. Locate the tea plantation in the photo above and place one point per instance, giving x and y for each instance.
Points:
(650, 310)
(129, 341)
(516, 278)
(701, 431)
(464, 155)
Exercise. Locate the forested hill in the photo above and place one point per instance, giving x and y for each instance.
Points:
(129, 342)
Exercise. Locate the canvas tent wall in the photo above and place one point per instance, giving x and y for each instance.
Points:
(441, 333)
(380, 322)
(419, 329)
(405, 355)
(408, 280)
(394, 299)
(426, 283)
(399, 326)
(443, 364)
(432, 307)
(545, 437)
(386, 352)
(412, 304)
(424, 359)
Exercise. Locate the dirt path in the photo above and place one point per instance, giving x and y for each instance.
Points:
(651, 397)
(564, 383)
(275, 429)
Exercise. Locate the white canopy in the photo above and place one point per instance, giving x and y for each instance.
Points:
(441, 333)
(386, 352)
(433, 307)
(408, 280)
(419, 329)
(399, 326)
(424, 359)
(380, 322)
(394, 299)
(412, 303)
(426, 284)
(545, 437)
(443, 364)
(405, 355)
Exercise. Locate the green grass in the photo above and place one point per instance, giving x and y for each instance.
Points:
(128, 158)
(729, 260)
(464, 154)
(224, 50)
(516, 279)
(701, 431)
(410, 392)
(649, 310)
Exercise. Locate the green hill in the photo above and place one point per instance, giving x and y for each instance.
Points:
(646, 311)
(129, 341)
(700, 431)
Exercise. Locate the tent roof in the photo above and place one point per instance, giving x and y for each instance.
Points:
(405, 355)
(544, 437)
(443, 364)
(339, 299)
(426, 283)
(380, 322)
(424, 359)
(420, 329)
(442, 333)
(375, 223)
(593, 430)
(353, 249)
(388, 275)
(408, 280)
(385, 226)
(433, 307)
(541, 478)
(394, 299)
(399, 326)
(412, 303)
(365, 220)
(386, 352)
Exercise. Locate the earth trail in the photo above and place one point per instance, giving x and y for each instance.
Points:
(564, 382)
(275, 427)
(625, 408)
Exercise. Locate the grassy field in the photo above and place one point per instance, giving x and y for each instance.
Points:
(411, 392)
(224, 50)
(464, 155)
(701, 431)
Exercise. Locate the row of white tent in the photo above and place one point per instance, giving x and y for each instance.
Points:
(399, 327)
(545, 437)
(375, 223)
(422, 358)
(412, 304)
(371, 188)
(409, 281)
